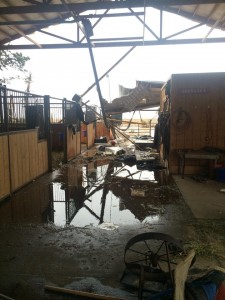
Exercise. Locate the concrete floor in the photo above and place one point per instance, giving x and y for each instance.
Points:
(204, 198)
(35, 255)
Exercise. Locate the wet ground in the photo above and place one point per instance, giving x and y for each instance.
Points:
(69, 228)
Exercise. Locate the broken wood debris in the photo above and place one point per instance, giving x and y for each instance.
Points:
(80, 293)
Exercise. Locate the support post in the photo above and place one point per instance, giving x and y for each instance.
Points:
(95, 75)
(65, 156)
(48, 130)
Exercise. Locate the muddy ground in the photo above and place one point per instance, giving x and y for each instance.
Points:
(84, 248)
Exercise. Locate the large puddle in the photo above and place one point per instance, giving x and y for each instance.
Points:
(93, 192)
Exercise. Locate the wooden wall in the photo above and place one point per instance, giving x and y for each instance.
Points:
(23, 158)
(197, 116)
(90, 135)
(102, 131)
(83, 133)
(73, 144)
(4, 167)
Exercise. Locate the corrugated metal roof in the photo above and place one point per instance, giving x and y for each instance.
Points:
(23, 17)
(212, 14)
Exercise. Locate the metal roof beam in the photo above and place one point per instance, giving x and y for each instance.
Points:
(146, 26)
(116, 44)
(60, 21)
(80, 7)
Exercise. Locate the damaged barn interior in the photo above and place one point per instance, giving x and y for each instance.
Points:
(95, 202)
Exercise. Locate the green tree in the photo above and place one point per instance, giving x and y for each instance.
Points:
(12, 61)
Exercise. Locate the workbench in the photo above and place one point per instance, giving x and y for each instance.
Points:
(184, 154)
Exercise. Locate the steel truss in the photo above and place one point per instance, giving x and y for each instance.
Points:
(77, 12)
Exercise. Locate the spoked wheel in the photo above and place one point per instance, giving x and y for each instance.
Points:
(156, 254)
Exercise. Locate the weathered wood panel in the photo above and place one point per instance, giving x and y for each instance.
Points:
(197, 117)
(4, 167)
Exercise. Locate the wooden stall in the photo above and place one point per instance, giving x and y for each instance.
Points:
(90, 135)
(192, 122)
(4, 170)
(73, 147)
(102, 131)
(23, 158)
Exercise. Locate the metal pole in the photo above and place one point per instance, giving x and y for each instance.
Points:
(65, 156)
(48, 130)
(6, 117)
(6, 129)
(96, 80)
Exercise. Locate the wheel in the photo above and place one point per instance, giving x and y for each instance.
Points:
(156, 253)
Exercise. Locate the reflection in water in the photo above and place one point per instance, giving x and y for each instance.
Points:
(96, 194)
(30, 205)
(103, 195)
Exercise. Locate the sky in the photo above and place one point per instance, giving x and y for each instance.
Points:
(63, 72)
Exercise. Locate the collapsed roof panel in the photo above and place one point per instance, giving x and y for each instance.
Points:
(144, 95)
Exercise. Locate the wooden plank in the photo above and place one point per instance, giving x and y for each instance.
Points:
(26, 161)
(80, 293)
(31, 160)
(34, 155)
(13, 161)
(4, 170)
(20, 149)
(78, 149)
(90, 135)
(42, 157)
(22, 158)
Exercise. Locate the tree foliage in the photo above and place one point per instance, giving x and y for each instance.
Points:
(15, 61)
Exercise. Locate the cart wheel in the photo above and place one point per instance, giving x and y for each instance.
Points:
(156, 253)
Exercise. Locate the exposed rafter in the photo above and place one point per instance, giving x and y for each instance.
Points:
(84, 6)
(28, 16)
(116, 44)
